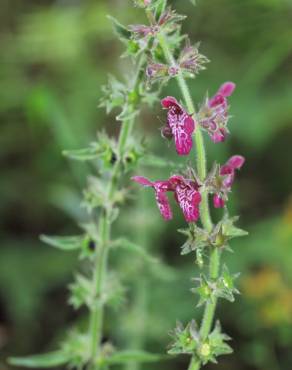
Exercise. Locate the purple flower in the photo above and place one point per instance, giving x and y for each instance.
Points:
(226, 179)
(180, 125)
(141, 31)
(156, 71)
(187, 196)
(160, 188)
(190, 60)
(168, 21)
(213, 115)
(186, 193)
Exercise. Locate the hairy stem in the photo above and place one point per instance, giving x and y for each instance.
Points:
(99, 275)
(104, 229)
(214, 266)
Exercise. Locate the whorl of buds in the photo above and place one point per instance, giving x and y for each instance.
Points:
(189, 63)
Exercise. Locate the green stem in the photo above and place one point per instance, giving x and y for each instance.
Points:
(96, 318)
(214, 266)
(104, 228)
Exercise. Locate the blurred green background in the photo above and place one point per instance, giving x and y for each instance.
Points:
(55, 55)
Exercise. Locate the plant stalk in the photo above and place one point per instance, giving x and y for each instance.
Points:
(201, 165)
(104, 228)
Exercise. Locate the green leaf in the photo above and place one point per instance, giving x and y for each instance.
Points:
(127, 113)
(132, 247)
(160, 7)
(66, 243)
(197, 238)
(225, 285)
(114, 94)
(205, 290)
(86, 154)
(81, 292)
(218, 340)
(229, 229)
(155, 161)
(185, 339)
(123, 357)
(122, 32)
(41, 361)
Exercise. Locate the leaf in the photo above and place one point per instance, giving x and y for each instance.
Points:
(41, 361)
(155, 161)
(218, 340)
(194, 2)
(86, 154)
(114, 94)
(127, 113)
(185, 339)
(81, 292)
(122, 32)
(122, 357)
(66, 243)
(132, 247)
(160, 7)
(230, 230)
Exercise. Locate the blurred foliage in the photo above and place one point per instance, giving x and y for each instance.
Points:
(55, 55)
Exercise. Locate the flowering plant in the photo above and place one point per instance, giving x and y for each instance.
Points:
(193, 187)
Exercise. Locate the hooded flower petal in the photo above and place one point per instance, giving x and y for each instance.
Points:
(227, 89)
(187, 196)
(181, 124)
(236, 162)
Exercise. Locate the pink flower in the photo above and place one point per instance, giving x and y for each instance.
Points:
(160, 188)
(168, 21)
(227, 175)
(213, 115)
(141, 31)
(190, 60)
(186, 193)
(187, 196)
(180, 125)
(156, 72)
